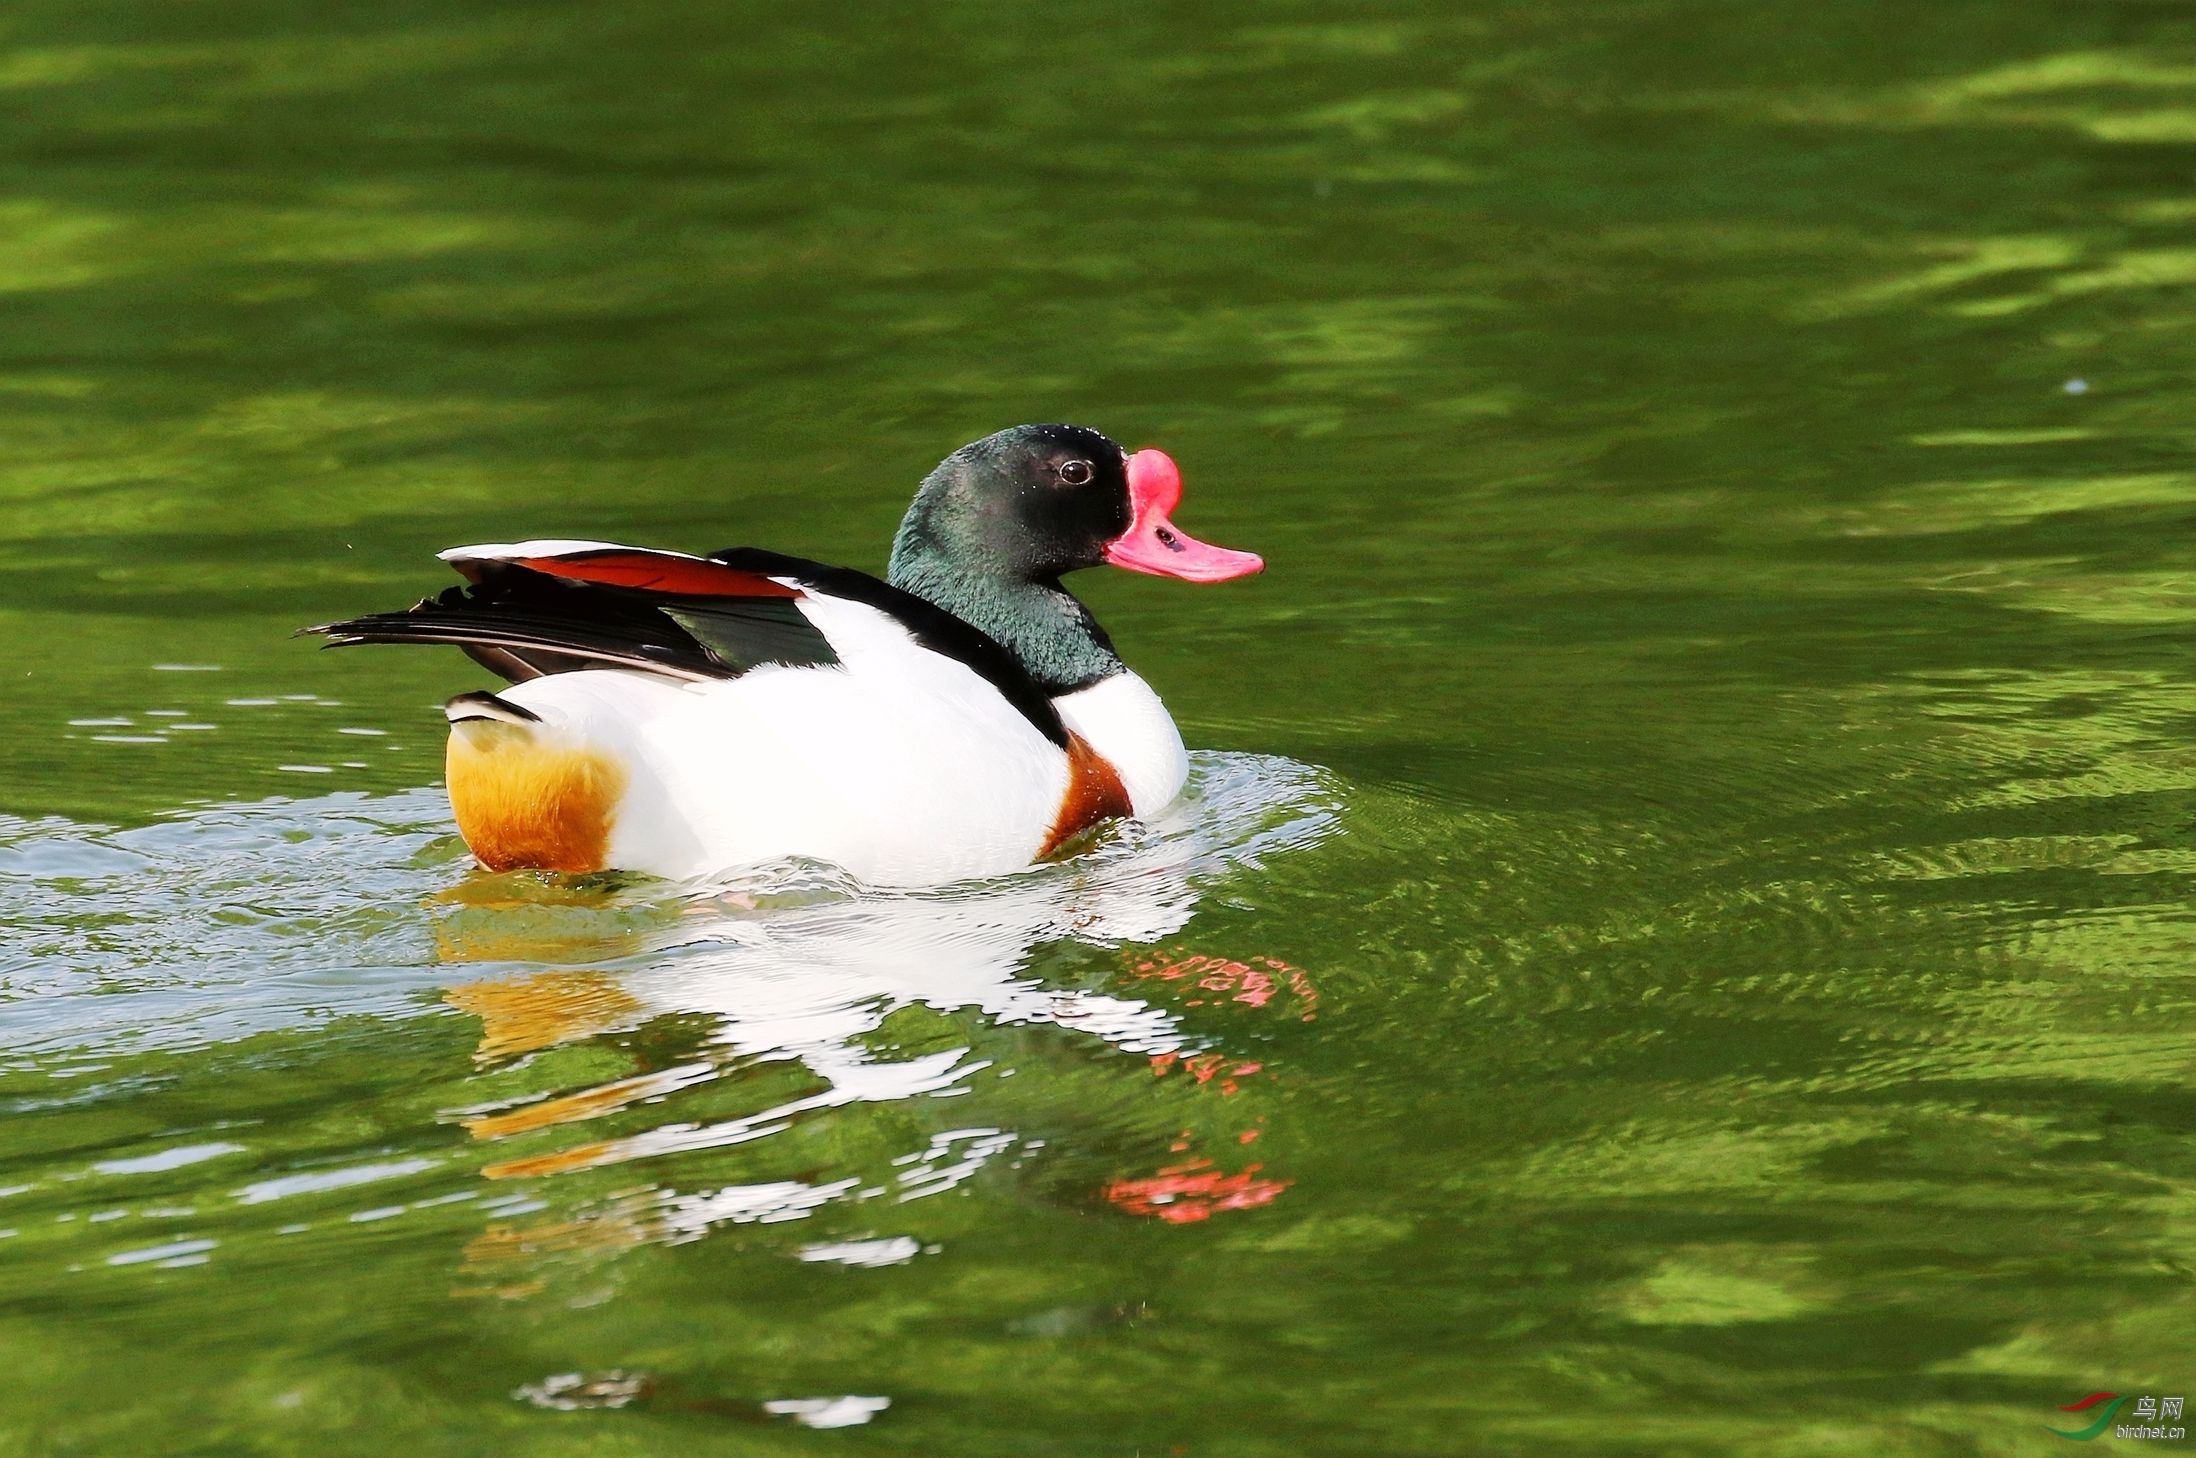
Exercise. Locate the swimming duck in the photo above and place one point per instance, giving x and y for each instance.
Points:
(683, 715)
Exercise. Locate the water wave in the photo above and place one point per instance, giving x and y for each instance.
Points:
(226, 921)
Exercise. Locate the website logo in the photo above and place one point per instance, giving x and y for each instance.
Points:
(2150, 1415)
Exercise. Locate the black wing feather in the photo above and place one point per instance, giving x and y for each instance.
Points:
(520, 624)
(540, 625)
(747, 632)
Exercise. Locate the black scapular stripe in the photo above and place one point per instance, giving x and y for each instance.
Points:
(930, 625)
(521, 624)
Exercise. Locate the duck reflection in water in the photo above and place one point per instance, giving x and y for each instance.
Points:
(821, 1024)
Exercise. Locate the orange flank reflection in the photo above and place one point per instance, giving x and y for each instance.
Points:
(1255, 982)
(1193, 1190)
(587, 1103)
(579, 1156)
(524, 1014)
(504, 1243)
(501, 1252)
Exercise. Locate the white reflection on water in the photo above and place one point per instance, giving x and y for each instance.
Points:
(231, 921)
(794, 965)
(828, 1412)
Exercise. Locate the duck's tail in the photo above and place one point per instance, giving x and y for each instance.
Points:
(525, 798)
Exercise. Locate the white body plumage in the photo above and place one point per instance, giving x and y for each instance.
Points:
(901, 765)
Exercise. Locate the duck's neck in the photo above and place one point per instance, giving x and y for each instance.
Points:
(1040, 622)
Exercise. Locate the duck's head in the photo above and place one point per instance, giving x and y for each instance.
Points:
(1036, 502)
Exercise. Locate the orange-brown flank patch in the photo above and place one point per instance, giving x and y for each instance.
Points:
(524, 805)
(1094, 795)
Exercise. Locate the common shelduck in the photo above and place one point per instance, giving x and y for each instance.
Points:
(684, 716)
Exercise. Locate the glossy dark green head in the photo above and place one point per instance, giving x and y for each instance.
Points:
(995, 527)
(1027, 505)
(999, 522)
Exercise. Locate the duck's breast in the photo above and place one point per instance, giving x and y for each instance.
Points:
(1124, 721)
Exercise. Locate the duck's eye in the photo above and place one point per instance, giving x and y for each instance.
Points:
(1074, 473)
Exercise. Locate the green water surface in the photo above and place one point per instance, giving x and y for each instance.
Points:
(1682, 942)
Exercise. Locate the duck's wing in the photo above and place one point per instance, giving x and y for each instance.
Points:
(841, 597)
(553, 606)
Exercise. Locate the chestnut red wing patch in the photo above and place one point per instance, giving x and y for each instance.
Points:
(658, 572)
